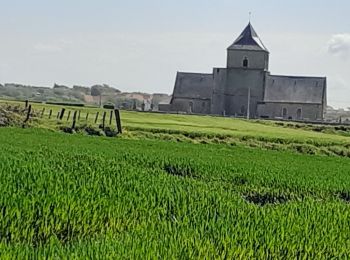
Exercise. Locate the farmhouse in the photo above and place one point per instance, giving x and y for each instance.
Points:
(246, 88)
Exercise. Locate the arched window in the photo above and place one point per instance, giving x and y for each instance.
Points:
(245, 62)
(299, 113)
(284, 112)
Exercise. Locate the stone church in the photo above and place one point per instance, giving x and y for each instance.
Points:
(245, 88)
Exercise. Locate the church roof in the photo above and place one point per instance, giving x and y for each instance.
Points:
(248, 40)
(291, 89)
(193, 85)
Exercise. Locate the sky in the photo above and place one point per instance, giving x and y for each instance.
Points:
(140, 45)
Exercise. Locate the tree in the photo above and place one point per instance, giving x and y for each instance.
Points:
(95, 91)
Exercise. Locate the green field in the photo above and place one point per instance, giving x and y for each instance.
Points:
(302, 138)
(172, 186)
(74, 196)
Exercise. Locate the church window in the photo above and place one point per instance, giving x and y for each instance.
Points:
(245, 62)
(284, 112)
(299, 113)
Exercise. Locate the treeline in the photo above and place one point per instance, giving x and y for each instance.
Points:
(58, 93)
(99, 95)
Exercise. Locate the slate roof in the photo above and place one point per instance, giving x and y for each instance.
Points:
(248, 40)
(193, 86)
(290, 89)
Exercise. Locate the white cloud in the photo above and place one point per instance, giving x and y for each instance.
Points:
(339, 45)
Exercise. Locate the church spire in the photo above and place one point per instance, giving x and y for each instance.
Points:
(248, 39)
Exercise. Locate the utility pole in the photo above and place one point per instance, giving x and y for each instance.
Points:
(248, 108)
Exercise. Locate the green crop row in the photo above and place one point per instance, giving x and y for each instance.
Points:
(74, 196)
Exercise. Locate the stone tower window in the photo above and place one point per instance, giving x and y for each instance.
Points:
(245, 62)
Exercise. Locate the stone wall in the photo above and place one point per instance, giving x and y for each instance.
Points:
(239, 81)
(309, 112)
(191, 105)
(219, 86)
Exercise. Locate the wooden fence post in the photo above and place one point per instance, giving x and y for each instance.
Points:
(50, 113)
(117, 119)
(110, 117)
(79, 115)
(87, 117)
(28, 114)
(96, 118)
(43, 112)
(68, 115)
(104, 119)
(74, 120)
(26, 104)
(62, 113)
(58, 115)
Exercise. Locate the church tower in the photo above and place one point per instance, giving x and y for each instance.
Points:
(247, 66)
(248, 51)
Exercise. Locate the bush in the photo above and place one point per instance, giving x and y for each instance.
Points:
(108, 106)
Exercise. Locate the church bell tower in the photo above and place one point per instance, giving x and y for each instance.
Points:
(248, 51)
(247, 66)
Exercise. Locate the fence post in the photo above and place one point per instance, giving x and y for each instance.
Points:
(74, 120)
(68, 115)
(58, 115)
(87, 117)
(79, 115)
(50, 113)
(26, 103)
(62, 113)
(103, 120)
(28, 114)
(110, 117)
(117, 119)
(43, 112)
(96, 118)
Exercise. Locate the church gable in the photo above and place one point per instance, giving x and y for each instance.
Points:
(289, 89)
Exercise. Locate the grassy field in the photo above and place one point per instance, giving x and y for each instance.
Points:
(295, 137)
(77, 196)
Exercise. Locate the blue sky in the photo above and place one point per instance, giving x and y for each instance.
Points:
(139, 45)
